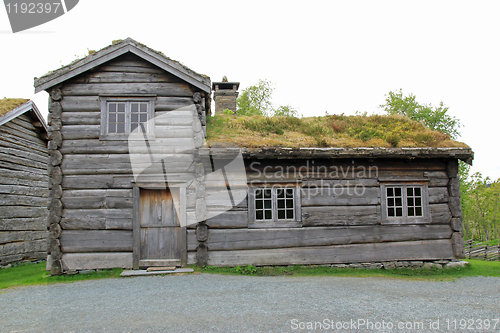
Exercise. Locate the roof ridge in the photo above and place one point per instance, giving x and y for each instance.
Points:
(113, 51)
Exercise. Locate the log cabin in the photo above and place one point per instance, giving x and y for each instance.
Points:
(134, 184)
(23, 181)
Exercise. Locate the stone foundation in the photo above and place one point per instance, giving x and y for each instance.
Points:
(437, 264)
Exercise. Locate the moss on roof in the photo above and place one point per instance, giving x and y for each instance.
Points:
(327, 131)
(7, 104)
(92, 53)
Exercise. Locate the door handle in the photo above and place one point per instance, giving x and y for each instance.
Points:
(160, 209)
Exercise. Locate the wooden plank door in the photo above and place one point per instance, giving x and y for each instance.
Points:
(160, 230)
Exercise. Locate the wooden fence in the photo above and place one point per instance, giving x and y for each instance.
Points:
(478, 250)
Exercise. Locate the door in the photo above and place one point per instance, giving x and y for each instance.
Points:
(160, 230)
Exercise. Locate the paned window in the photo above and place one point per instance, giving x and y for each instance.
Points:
(274, 205)
(122, 118)
(404, 202)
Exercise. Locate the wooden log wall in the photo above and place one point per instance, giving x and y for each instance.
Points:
(23, 191)
(91, 190)
(455, 209)
(341, 215)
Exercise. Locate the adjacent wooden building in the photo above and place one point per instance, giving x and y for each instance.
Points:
(23, 181)
(339, 205)
(133, 185)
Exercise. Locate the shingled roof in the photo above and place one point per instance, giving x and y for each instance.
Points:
(115, 50)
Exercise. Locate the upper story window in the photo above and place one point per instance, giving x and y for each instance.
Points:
(404, 202)
(274, 206)
(123, 118)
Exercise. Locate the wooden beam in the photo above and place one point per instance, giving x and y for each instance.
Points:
(21, 236)
(253, 239)
(161, 89)
(228, 219)
(340, 196)
(440, 213)
(82, 261)
(417, 250)
(340, 215)
(96, 241)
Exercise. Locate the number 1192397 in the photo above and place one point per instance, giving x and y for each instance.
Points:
(33, 8)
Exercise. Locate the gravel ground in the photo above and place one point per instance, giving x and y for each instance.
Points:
(222, 303)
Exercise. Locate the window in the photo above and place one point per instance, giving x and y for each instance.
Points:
(274, 206)
(404, 202)
(122, 118)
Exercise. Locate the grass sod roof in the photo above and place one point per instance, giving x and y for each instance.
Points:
(8, 104)
(375, 131)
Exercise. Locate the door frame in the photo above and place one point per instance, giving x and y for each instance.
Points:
(136, 222)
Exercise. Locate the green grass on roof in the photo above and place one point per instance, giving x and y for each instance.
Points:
(327, 131)
(7, 104)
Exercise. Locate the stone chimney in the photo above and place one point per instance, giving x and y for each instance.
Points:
(225, 95)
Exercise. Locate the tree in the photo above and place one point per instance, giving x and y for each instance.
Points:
(285, 111)
(256, 100)
(480, 207)
(434, 117)
(479, 197)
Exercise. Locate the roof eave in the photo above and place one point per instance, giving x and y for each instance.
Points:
(464, 154)
(21, 109)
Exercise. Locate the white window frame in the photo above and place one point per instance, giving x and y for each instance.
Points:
(405, 219)
(150, 125)
(296, 221)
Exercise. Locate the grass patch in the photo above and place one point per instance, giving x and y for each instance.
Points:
(35, 274)
(475, 268)
(327, 131)
(7, 104)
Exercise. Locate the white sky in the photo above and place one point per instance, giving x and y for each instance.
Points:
(335, 56)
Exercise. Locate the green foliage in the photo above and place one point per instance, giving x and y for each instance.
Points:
(326, 131)
(393, 139)
(35, 274)
(245, 270)
(475, 268)
(434, 117)
(479, 198)
(365, 135)
(227, 112)
(285, 111)
(256, 100)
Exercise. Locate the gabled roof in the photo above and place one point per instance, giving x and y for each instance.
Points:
(8, 104)
(115, 50)
(18, 110)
